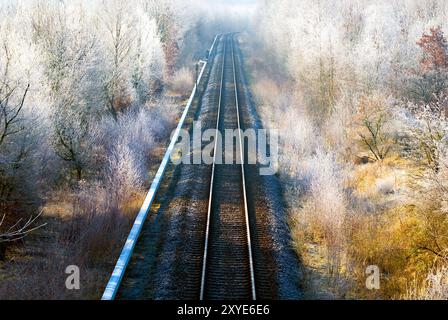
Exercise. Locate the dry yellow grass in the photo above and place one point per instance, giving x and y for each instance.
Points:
(379, 179)
(381, 227)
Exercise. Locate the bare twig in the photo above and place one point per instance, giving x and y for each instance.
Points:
(18, 231)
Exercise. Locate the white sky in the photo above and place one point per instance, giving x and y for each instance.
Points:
(236, 6)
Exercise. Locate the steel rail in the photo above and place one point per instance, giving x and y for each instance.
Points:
(246, 211)
(241, 151)
(209, 210)
(120, 267)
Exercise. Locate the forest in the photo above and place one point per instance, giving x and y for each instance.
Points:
(89, 93)
(91, 90)
(361, 87)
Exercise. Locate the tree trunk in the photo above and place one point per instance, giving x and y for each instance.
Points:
(78, 172)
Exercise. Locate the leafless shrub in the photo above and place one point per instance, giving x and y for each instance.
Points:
(96, 225)
(437, 285)
(433, 287)
(182, 81)
(16, 231)
(324, 205)
(425, 131)
(124, 145)
(376, 141)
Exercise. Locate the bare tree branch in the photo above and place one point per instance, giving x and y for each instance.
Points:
(18, 230)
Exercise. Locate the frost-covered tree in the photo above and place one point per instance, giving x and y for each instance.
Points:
(148, 60)
(168, 27)
(119, 38)
(18, 126)
(332, 49)
(69, 59)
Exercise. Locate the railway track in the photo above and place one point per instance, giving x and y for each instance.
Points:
(211, 235)
(227, 267)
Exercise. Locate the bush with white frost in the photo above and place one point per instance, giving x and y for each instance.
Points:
(323, 204)
(182, 81)
(437, 285)
(124, 145)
